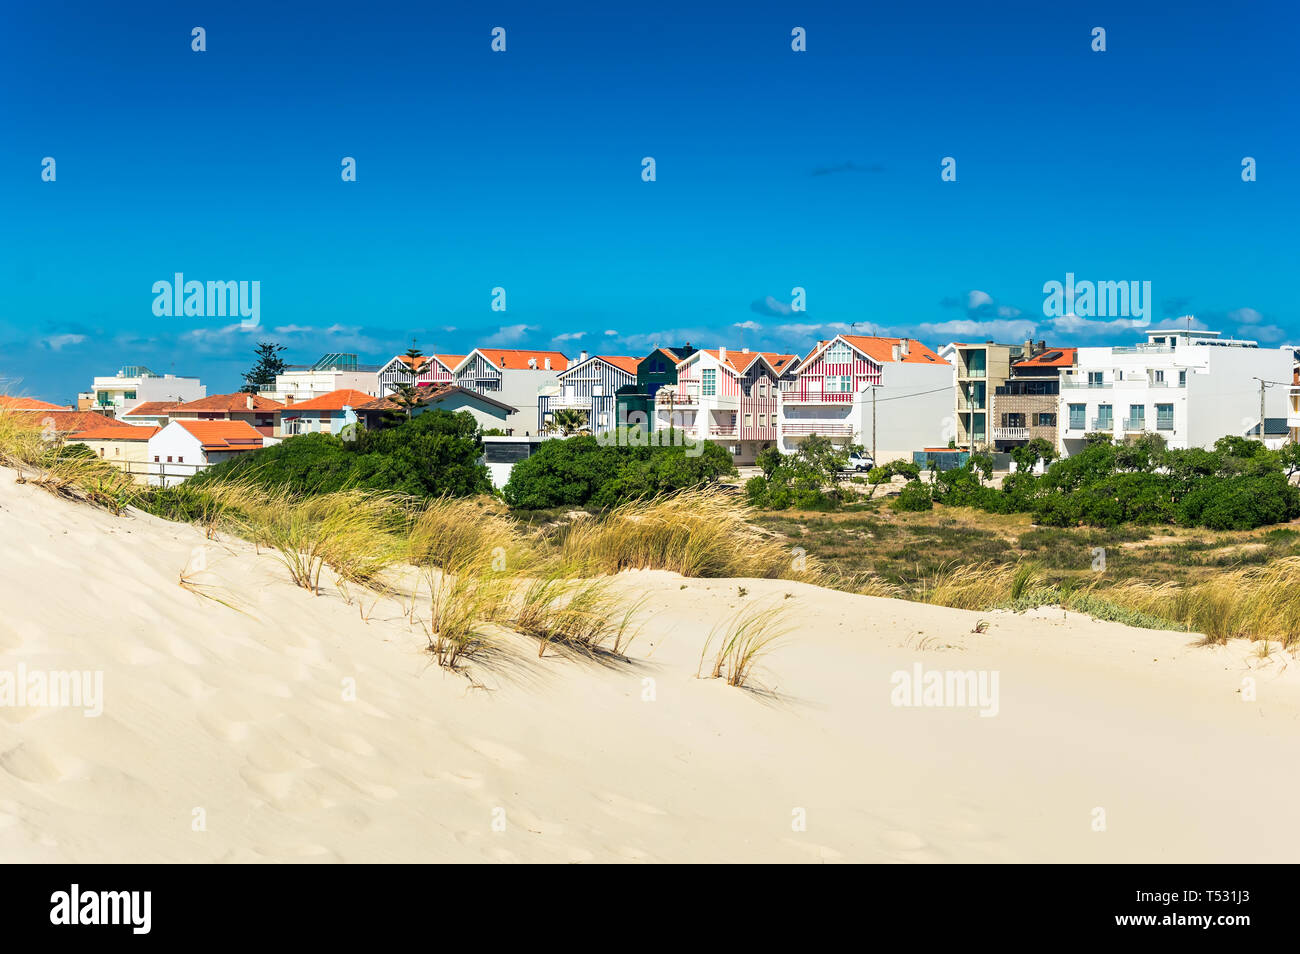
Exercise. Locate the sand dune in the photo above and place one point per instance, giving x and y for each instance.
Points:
(241, 721)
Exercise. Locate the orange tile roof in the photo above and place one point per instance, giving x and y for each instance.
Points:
(230, 402)
(621, 361)
(881, 350)
(333, 401)
(223, 435)
(1064, 359)
(129, 433)
(517, 360)
(65, 421)
(151, 409)
(741, 361)
(432, 392)
(448, 361)
(29, 404)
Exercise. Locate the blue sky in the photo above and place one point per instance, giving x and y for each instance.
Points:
(522, 169)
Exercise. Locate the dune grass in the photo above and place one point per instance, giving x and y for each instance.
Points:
(582, 614)
(739, 643)
(44, 459)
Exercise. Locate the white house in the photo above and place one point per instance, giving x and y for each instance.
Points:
(1190, 387)
(183, 448)
(136, 384)
(327, 414)
(891, 395)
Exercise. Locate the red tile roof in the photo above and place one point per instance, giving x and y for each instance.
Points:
(64, 421)
(1064, 359)
(230, 402)
(517, 360)
(223, 435)
(151, 409)
(334, 401)
(620, 361)
(740, 361)
(448, 361)
(130, 433)
(881, 350)
(29, 404)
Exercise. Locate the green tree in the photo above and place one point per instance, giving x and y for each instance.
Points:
(406, 394)
(268, 365)
(569, 421)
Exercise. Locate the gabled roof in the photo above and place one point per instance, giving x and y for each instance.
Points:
(433, 394)
(621, 361)
(448, 361)
(130, 433)
(29, 404)
(879, 350)
(741, 361)
(223, 435)
(517, 360)
(64, 421)
(230, 402)
(151, 409)
(1052, 358)
(334, 401)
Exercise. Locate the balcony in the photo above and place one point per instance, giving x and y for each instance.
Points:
(724, 430)
(1102, 424)
(570, 402)
(802, 429)
(822, 397)
(1134, 425)
(664, 398)
(971, 406)
(1164, 424)
(1077, 383)
(973, 373)
(1011, 433)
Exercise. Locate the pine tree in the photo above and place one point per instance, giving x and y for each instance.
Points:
(269, 364)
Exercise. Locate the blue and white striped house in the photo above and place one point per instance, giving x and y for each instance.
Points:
(589, 386)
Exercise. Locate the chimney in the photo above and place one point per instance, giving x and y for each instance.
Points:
(532, 363)
(896, 351)
(722, 354)
(744, 351)
(1029, 348)
(904, 346)
(249, 401)
(546, 363)
(288, 400)
(582, 356)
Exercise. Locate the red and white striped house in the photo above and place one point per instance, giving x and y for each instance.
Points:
(428, 369)
(831, 393)
(729, 396)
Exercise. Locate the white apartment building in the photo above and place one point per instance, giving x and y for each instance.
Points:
(333, 372)
(135, 384)
(1190, 387)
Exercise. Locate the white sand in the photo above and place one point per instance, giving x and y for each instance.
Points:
(245, 719)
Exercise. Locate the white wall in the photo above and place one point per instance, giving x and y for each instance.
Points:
(184, 449)
(914, 409)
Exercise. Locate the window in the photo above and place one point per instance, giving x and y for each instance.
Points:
(169, 458)
(1182, 379)
(1046, 420)
(1077, 412)
(1105, 417)
(709, 381)
(838, 383)
(1013, 420)
(762, 420)
(762, 387)
(155, 458)
(1164, 417)
(1095, 379)
(101, 452)
(128, 396)
(838, 353)
(1137, 413)
(1160, 377)
(180, 460)
(749, 420)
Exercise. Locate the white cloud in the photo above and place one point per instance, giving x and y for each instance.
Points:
(748, 325)
(508, 334)
(570, 336)
(611, 331)
(1246, 316)
(997, 329)
(59, 342)
(978, 299)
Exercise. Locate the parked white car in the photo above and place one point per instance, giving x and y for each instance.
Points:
(861, 462)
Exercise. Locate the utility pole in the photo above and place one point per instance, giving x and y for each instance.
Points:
(873, 425)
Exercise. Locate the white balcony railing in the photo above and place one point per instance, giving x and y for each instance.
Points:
(1011, 433)
(823, 397)
(1103, 424)
(1134, 424)
(801, 429)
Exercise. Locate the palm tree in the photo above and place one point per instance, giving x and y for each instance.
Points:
(570, 421)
